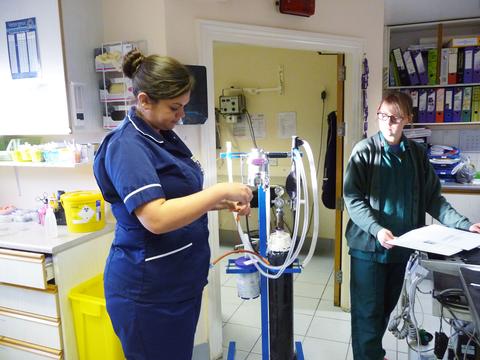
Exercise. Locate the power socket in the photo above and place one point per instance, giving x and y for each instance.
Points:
(231, 119)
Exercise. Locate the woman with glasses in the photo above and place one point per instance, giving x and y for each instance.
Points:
(389, 186)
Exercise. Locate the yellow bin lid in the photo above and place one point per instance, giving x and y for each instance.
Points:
(81, 196)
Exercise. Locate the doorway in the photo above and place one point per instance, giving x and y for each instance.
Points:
(212, 32)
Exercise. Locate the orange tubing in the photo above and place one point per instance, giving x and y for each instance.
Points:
(240, 251)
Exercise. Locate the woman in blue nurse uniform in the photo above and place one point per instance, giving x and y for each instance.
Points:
(159, 259)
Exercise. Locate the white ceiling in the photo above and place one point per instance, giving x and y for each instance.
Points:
(412, 11)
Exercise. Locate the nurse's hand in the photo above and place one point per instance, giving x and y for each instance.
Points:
(384, 236)
(242, 209)
(475, 228)
(236, 192)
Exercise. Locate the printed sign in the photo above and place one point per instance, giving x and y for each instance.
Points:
(23, 48)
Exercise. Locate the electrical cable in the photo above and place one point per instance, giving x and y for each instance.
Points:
(462, 329)
(320, 147)
(248, 231)
(250, 126)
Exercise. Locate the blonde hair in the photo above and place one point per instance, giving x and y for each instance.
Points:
(401, 103)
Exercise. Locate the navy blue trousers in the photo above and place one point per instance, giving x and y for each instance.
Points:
(374, 292)
(154, 331)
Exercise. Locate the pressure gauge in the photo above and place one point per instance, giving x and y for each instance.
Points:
(279, 191)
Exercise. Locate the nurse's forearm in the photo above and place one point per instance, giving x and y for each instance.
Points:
(160, 216)
(224, 204)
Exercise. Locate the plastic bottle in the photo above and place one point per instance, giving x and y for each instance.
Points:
(51, 229)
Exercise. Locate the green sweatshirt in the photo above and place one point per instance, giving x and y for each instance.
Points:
(363, 194)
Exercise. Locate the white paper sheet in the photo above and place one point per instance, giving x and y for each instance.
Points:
(259, 128)
(287, 124)
(438, 239)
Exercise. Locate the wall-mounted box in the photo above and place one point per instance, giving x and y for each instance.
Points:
(232, 105)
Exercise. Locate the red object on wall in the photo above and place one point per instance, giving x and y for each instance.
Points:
(297, 7)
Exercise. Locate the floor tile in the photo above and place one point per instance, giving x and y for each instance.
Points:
(307, 289)
(350, 352)
(245, 337)
(304, 305)
(389, 342)
(230, 295)
(402, 346)
(320, 349)
(230, 281)
(320, 265)
(301, 323)
(253, 356)
(257, 349)
(327, 310)
(239, 355)
(393, 355)
(228, 309)
(313, 276)
(330, 329)
(328, 293)
(249, 314)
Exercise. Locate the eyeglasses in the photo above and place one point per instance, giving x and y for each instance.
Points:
(391, 118)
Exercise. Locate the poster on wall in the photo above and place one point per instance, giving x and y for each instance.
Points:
(23, 48)
(287, 124)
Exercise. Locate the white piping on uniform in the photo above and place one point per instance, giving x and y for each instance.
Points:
(169, 253)
(140, 131)
(140, 189)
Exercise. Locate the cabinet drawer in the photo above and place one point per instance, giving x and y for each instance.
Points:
(39, 330)
(14, 350)
(25, 268)
(40, 302)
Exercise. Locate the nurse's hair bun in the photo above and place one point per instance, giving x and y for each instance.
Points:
(132, 62)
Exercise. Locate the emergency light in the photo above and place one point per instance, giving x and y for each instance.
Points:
(297, 7)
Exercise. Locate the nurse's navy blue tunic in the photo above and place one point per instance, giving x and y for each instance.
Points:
(133, 166)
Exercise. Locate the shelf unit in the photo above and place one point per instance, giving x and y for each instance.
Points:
(430, 86)
(403, 35)
(437, 34)
(43, 164)
(115, 90)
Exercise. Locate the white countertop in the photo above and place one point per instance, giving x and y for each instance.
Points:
(31, 237)
(458, 186)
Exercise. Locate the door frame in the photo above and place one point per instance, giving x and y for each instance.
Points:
(209, 32)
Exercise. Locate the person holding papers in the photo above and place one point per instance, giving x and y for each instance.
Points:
(389, 186)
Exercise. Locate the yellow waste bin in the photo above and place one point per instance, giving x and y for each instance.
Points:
(84, 210)
(96, 339)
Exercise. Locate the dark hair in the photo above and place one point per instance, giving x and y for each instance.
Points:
(401, 102)
(160, 77)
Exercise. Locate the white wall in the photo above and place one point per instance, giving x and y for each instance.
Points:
(79, 39)
(135, 20)
(169, 28)
(412, 11)
(82, 32)
(344, 17)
